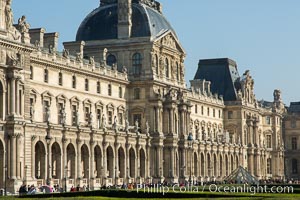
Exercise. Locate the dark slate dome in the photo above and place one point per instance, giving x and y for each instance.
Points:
(102, 23)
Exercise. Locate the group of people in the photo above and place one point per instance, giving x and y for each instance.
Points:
(27, 190)
(80, 189)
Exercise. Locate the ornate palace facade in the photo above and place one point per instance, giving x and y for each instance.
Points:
(113, 106)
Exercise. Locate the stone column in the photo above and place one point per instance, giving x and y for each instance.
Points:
(12, 96)
(79, 173)
(18, 157)
(32, 158)
(117, 145)
(258, 165)
(104, 173)
(127, 161)
(172, 124)
(13, 153)
(17, 98)
(138, 161)
(183, 164)
(49, 164)
(92, 160)
(172, 155)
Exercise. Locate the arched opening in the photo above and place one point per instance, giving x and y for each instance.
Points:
(142, 164)
(131, 163)
(40, 161)
(2, 175)
(294, 166)
(71, 155)
(202, 165)
(209, 167)
(111, 59)
(85, 161)
(1, 101)
(121, 155)
(97, 162)
(56, 161)
(176, 165)
(110, 161)
(215, 165)
(195, 164)
(236, 162)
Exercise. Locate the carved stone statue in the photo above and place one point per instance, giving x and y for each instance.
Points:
(126, 125)
(63, 116)
(92, 60)
(136, 126)
(115, 124)
(9, 18)
(23, 26)
(147, 127)
(104, 55)
(124, 70)
(48, 114)
(65, 53)
(78, 57)
(103, 121)
(90, 118)
(277, 95)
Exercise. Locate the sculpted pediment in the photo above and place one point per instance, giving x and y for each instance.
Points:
(169, 40)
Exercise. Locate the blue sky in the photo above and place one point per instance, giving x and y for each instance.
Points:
(262, 36)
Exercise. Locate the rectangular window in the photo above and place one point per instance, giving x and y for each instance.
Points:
(294, 143)
(230, 114)
(268, 120)
(86, 114)
(269, 141)
(202, 110)
(214, 113)
(196, 109)
(120, 118)
(109, 90)
(46, 76)
(86, 85)
(60, 108)
(220, 114)
(120, 92)
(208, 111)
(74, 82)
(110, 117)
(98, 87)
(269, 168)
(98, 118)
(31, 72)
(60, 79)
(74, 115)
(46, 110)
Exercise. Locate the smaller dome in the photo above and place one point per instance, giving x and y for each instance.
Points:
(102, 23)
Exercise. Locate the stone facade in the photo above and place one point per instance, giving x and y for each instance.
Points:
(118, 111)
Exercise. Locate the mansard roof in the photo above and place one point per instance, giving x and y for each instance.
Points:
(223, 75)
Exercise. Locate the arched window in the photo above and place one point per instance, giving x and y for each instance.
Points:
(136, 94)
(111, 59)
(294, 166)
(167, 68)
(46, 77)
(137, 64)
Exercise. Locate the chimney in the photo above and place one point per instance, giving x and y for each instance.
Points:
(51, 39)
(124, 19)
(37, 36)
